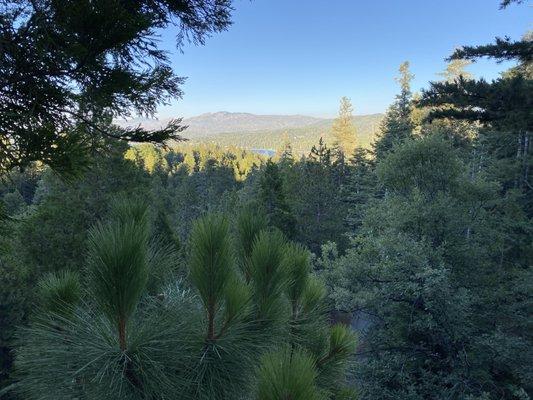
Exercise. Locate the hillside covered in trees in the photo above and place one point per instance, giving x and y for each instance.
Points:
(250, 131)
(375, 257)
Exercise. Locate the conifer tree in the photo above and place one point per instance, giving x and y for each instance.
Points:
(315, 197)
(397, 125)
(343, 129)
(504, 142)
(285, 154)
(320, 153)
(272, 199)
(479, 100)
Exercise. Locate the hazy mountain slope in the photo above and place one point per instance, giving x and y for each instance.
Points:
(226, 122)
(253, 131)
(302, 138)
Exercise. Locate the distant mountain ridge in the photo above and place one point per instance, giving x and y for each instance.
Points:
(253, 131)
(228, 122)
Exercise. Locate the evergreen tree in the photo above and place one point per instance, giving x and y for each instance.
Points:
(314, 195)
(503, 148)
(479, 100)
(321, 154)
(13, 203)
(285, 154)
(16, 303)
(54, 232)
(272, 199)
(343, 129)
(397, 125)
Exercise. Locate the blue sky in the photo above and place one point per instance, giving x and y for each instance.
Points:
(301, 56)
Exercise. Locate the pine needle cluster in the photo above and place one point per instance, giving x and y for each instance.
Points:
(249, 323)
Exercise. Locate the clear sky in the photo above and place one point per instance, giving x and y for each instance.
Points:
(301, 56)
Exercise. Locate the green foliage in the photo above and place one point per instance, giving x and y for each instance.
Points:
(332, 364)
(359, 188)
(269, 274)
(341, 342)
(313, 295)
(314, 187)
(211, 264)
(249, 225)
(425, 165)
(272, 199)
(84, 357)
(479, 100)
(125, 343)
(59, 291)
(16, 289)
(423, 270)
(13, 203)
(118, 265)
(434, 270)
(287, 374)
(298, 268)
(54, 231)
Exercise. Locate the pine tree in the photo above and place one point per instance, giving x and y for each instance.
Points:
(397, 125)
(285, 153)
(212, 338)
(321, 154)
(343, 129)
(272, 199)
(315, 197)
(479, 100)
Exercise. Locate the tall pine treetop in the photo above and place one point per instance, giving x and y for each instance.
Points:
(397, 125)
(343, 128)
(455, 69)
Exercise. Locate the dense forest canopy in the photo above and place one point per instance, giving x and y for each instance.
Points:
(348, 265)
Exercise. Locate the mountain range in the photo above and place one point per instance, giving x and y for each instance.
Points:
(253, 131)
